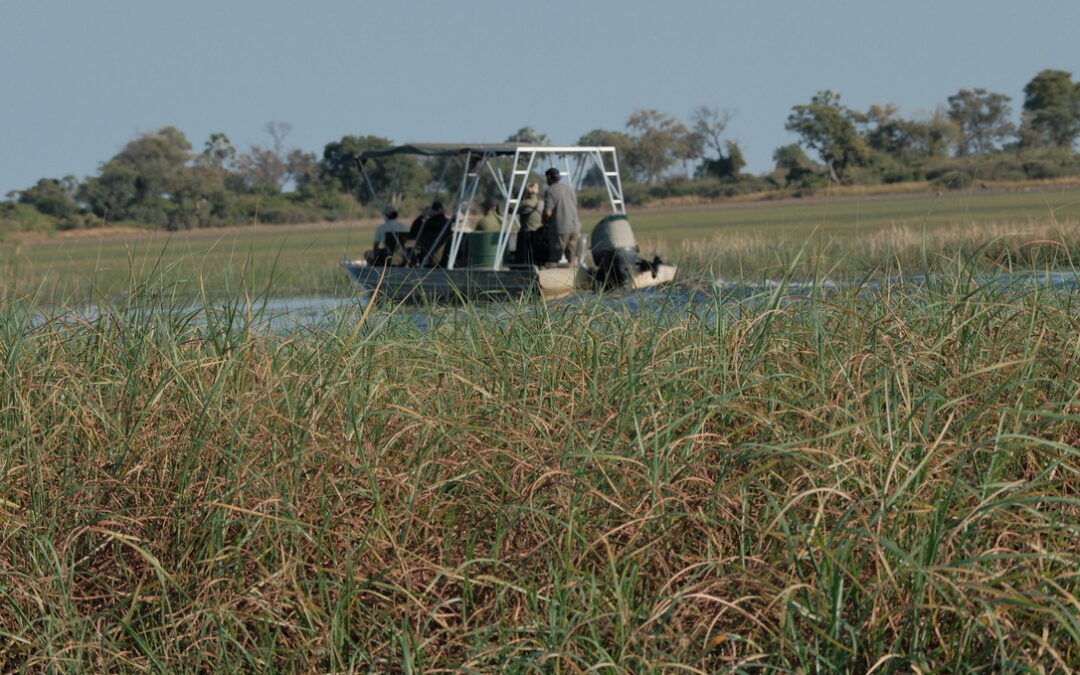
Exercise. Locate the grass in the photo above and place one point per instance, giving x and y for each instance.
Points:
(293, 261)
(852, 236)
(864, 478)
(846, 482)
(859, 236)
(840, 216)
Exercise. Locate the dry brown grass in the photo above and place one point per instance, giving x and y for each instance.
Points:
(826, 484)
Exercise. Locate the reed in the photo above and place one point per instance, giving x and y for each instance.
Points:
(853, 480)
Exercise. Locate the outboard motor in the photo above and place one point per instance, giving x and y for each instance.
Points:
(615, 251)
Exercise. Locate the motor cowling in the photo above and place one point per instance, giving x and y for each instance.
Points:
(615, 251)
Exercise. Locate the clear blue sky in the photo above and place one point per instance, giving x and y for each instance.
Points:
(80, 79)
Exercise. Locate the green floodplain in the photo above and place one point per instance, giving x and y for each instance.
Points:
(843, 235)
(865, 478)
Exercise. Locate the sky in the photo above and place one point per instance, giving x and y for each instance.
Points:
(78, 80)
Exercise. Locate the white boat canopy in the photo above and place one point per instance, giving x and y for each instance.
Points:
(574, 162)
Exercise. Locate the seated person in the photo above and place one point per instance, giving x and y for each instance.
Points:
(492, 222)
(429, 231)
(390, 226)
(492, 218)
(418, 223)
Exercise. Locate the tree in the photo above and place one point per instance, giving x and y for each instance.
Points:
(198, 191)
(707, 125)
(112, 193)
(982, 118)
(884, 130)
(262, 168)
(605, 138)
(142, 182)
(217, 151)
(267, 167)
(727, 165)
(1052, 104)
(829, 128)
(302, 167)
(529, 136)
(52, 197)
(909, 141)
(935, 135)
(153, 181)
(796, 166)
(158, 158)
(220, 156)
(339, 168)
(658, 141)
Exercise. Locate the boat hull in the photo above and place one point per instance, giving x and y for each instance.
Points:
(438, 284)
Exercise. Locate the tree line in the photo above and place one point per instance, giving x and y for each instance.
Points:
(160, 180)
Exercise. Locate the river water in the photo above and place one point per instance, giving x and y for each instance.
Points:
(728, 297)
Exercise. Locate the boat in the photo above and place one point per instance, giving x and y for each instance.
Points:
(456, 263)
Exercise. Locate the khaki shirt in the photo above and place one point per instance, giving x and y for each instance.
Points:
(490, 222)
(529, 213)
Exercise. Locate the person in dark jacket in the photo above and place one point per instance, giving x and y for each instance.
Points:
(429, 231)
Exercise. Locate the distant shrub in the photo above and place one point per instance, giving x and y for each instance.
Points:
(78, 221)
(901, 176)
(636, 193)
(952, 180)
(1006, 169)
(592, 198)
(748, 183)
(703, 188)
(16, 217)
(335, 205)
(50, 197)
(1006, 166)
(863, 175)
(1040, 169)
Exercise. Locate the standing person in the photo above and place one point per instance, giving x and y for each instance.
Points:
(561, 216)
(532, 239)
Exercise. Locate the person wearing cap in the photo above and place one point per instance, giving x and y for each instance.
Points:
(561, 216)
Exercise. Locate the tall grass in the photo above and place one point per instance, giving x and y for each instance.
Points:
(985, 247)
(849, 482)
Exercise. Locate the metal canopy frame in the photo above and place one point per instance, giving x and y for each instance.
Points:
(511, 176)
